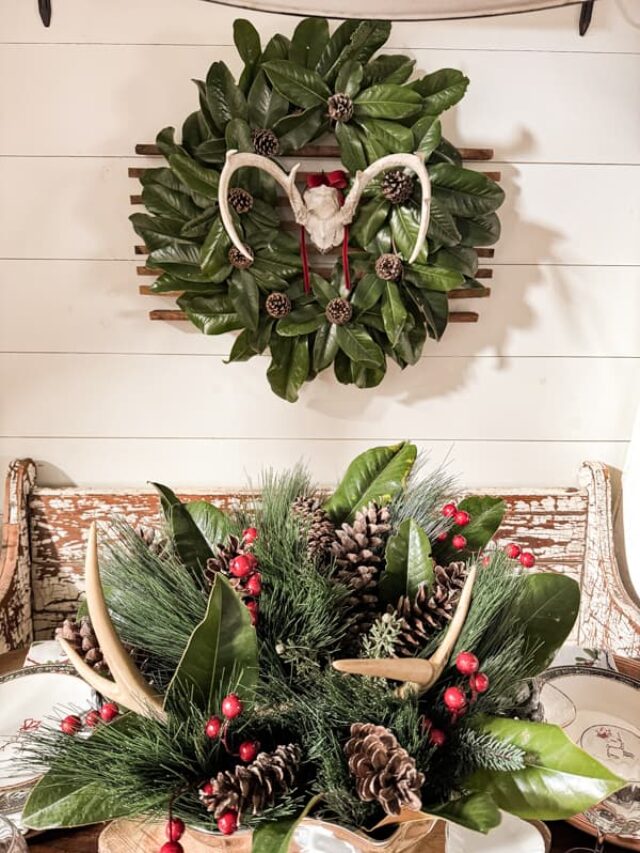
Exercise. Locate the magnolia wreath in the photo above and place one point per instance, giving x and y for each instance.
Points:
(402, 219)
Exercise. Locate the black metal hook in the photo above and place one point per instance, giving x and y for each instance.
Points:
(586, 14)
(44, 7)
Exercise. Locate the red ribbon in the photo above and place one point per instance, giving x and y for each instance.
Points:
(339, 180)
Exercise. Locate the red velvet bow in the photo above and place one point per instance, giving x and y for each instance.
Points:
(339, 180)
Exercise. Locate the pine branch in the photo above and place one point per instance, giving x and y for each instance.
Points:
(485, 752)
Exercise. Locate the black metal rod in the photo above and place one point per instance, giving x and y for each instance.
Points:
(45, 11)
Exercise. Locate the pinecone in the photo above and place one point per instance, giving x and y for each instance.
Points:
(397, 186)
(320, 529)
(339, 311)
(340, 107)
(265, 142)
(389, 267)
(256, 786)
(80, 635)
(430, 611)
(278, 305)
(240, 200)
(384, 770)
(358, 550)
(238, 260)
(152, 538)
(220, 563)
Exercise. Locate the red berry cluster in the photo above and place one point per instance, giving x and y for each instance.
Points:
(455, 698)
(515, 552)
(459, 518)
(72, 724)
(244, 567)
(174, 831)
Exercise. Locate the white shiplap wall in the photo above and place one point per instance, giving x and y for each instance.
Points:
(99, 395)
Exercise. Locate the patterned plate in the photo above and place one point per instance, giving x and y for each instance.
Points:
(512, 834)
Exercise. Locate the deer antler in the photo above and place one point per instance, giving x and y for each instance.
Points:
(418, 674)
(129, 687)
(235, 161)
(415, 162)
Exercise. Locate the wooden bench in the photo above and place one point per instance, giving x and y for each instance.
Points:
(569, 530)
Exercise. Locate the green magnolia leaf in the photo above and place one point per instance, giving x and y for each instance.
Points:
(308, 41)
(369, 220)
(486, 517)
(442, 226)
(411, 343)
(351, 150)
(366, 39)
(225, 99)
(387, 100)
(323, 290)
(479, 230)
(367, 377)
(301, 321)
(296, 130)
(157, 231)
(435, 306)
(244, 294)
(189, 541)
(434, 278)
(222, 653)
(367, 293)
(182, 261)
(390, 68)
(198, 227)
(394, 313)
(408, 563)
(328, 66)
(405, 224)
(266, 106)
(289, 366)
(378, 475)
(237, 134)
(243, 348)
(446, 152)
(212, 523)
(427, 134)
(349, 78)
(198, 178)
(277, 836)
(277, 47)
(302, 86)
(393, 138)
(458, 258)
(247, 42)
(325, 347)
(214, 252)
(474, 811)
(463, 192)
(358, 344)
(546, 612)
(167, 202)
(213, 315)
(441, 89)
(559, 781)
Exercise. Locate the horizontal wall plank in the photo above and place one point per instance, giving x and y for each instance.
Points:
(552, 213)
(532, 311)
(539, 110)
(214, 463)
(168, 22)
(198, 397)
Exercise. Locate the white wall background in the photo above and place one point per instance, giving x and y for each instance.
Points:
(97, 394)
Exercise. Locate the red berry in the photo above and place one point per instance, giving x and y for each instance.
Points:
(249, 535)
(213, 726)
(527, 560)
(462, 518)
(71, 725)
(442, 537)
(479, 682)
(449, 510)
(467, 663)
(512, 551)
(454, 699)
(240, 566)
(459, 542)
(92, 719)
(248, 750)
(174, 830)
(254, 609)
(485, 561)
(232, 706)
(109, 712)
(172, 847)
(254, 584)
(208, 789)
(228, 822)
(437, 737)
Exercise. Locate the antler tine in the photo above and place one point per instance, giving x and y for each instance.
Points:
(129, 687)
(415, 162)
(236, 160)
(398, 669)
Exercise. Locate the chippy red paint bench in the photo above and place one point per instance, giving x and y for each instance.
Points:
(570, 531)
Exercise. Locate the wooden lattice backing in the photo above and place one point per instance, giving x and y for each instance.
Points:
(324, 153)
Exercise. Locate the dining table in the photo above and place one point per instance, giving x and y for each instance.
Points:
(85, 839)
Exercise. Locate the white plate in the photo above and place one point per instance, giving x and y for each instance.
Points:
(512, 834)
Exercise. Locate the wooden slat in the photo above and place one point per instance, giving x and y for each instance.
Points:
(165, 314)
(461, 293)
(138, 172)
(484, 273)
(328, 151)
(485, 253)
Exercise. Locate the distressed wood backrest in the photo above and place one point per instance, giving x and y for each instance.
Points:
(569, 530)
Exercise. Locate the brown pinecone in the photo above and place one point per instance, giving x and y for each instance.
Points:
(152, 538)
(430, 611)
(238, 260)
(340, 107)
(358, 550)
(384, 770)
(389, 267)
(319, 528)
(256, 786)
(265, 142)
(240, 200)
(278, 305)
(339, 311)
(80, 635)
(220, 562)
(397, 186)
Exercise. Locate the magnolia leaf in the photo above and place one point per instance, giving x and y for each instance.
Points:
(243, 292)
(212, 523)
(165, 140)
(301, 321)
(367, 377)
(463, 192)
(368, 292)
(387, 100)
(221, 655)
(163, 201)
(189, 541)
(308, 41)
(296, 130)
(157, 231)
(408, 563)
(277, 47)
(198, 178)
(243, 347)
(442, 226)
(225, 99)
(559, 781)
(477, 230)
(368, 222)
(394, 68)
(427, 133)
(366, 39)
(435, 306)
(277, 836)
(325, 347)
(393, 138)
(214, 251)
(349, 78)
(434, 278)
(405, 225)
(460, 258)
(358, 344)
(266, 106)
(351, 150)
(289, 366)
(394, 313)
(211, 151)
(323, 290)
(378, 475)
(302, 86)
(474, 811)
(213, 315)
(327, 65)
(441, 89)
(247, 42)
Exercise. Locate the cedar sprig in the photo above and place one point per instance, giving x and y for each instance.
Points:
(381, 640)
(482, 751)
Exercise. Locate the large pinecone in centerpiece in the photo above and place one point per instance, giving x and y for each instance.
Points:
(255, 786)
(220, 562)
(265, 142)
(81, 636)
(431, 609)
(318, 526)
(384, 771)
(358, 550)
(397, 186)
